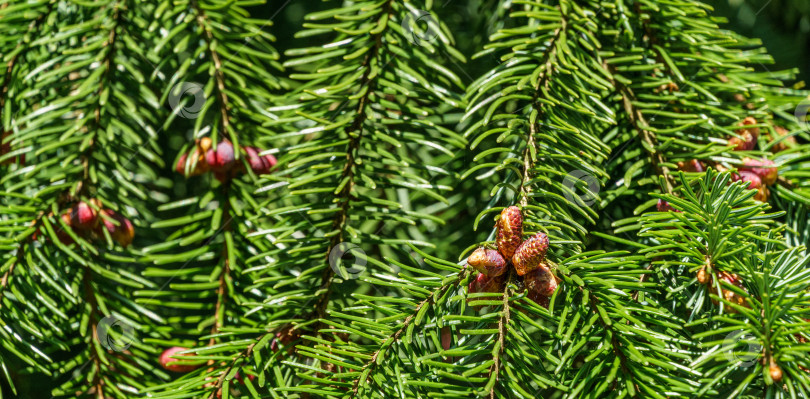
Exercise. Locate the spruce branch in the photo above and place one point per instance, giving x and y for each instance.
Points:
(650, 142)
(219, 78)
(20, 50)
(503, 324)
(595, 113)
(355, 133)
(530, 150)
(370, 367)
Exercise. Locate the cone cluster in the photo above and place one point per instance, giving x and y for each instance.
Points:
(526, 256)
(757, 173)
(86, 222)
(705, 277)
(221, 162)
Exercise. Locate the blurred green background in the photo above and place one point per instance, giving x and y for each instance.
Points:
(782, 25)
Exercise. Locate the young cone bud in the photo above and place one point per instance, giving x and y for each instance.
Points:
(199, 164)
(754, 182)
(530, 254)
(703, 276)
(260, 165)
(238, 377)
(748, 136)
(447, 338)
(753, 130)
(270, 161)
(205, 144)
(83, 216)
(664, 206)
(221, 159)
(763, 194)
(487, 261)
(202, 164)
(124, 232)
(691, 166)
(541, 281)
(745, 142)
(510, 231)
(730, 295)
(168, 356)
(763, 168)
(776, 372)
(181, 164)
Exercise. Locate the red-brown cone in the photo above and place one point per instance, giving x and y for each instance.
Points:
(199, 164)
(447, 338)
(510, 231)
(487, 261)
(753, 180)
(181, 164)
(748, 136)
(776, 373)
(728, 294)
(703, 276)
(260, 165)
(221, 159)
(691, 166)
(124, 232)
(763, 194)
(664, 206)
(168, 356)
(541, 281)
(530, 254)
(83, 216)
(484, 283)
(764, 168)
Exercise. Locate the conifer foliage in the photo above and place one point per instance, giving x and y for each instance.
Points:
(605, 199)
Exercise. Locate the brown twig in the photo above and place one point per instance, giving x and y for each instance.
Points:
(503, 322)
